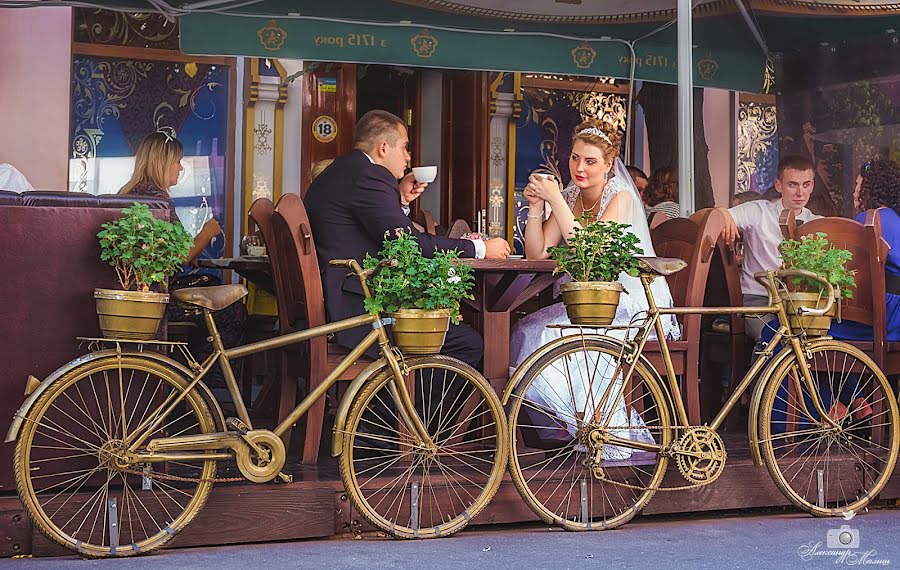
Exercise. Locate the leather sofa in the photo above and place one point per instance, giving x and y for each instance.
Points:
(50, 259)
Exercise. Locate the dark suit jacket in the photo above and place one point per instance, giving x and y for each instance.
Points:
(351, 205)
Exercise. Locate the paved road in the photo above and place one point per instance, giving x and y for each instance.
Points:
(709, 541)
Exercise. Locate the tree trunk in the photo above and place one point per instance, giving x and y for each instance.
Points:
(660, 105)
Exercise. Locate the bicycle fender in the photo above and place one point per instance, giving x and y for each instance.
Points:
(340, 419)
(756, 402)
(19, 416)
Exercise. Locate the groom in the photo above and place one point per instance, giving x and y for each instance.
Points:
(355, 201)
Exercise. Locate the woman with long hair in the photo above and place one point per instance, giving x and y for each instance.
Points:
(603, 189)
(157, 165)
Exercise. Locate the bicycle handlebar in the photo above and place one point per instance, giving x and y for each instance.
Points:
(766, 279)
(363, 274)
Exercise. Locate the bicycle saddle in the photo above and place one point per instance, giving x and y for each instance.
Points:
(661, 265)
(212, 298)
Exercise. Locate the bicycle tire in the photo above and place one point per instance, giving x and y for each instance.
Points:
(65, 417)
(457, 480)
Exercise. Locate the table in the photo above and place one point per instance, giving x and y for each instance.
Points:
(255, 269)
(501, 286)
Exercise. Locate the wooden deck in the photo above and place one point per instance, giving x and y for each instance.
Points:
(315, 506)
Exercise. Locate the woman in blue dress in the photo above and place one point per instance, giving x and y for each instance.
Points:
(878, 187)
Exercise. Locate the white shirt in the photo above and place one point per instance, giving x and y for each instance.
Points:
(480, 248)
(758, 224)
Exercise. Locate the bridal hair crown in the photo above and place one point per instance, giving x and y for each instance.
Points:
(596, 132)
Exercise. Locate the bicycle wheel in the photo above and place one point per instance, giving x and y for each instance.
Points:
(823, 470)
(412, 492)
(67, 464)
(558, 459)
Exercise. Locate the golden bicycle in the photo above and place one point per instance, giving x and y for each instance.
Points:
(116, 451)
(592, 427)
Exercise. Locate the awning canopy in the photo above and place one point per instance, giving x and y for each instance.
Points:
(446, 46)
(585, 37)
(579, 37)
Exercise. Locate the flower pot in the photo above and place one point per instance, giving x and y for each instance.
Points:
(130, 315)
(417, 331)
(812, 326)
(591, 303)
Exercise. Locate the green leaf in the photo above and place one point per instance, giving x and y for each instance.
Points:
(150, 249)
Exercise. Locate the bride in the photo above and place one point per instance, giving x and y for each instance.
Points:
(602, 188)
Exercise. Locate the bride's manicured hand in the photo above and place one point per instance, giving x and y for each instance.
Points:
(541, 188)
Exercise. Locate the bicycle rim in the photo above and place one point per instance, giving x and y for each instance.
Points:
(823, 470)
(406, 490)
(564, 476)
(66, 464)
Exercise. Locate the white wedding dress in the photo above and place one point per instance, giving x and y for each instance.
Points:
(553, 390)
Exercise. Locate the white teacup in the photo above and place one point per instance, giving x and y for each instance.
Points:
(425, 174)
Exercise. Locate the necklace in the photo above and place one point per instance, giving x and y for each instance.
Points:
(594, 205)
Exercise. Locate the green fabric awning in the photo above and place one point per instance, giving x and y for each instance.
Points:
(566, 36)
(376, 42)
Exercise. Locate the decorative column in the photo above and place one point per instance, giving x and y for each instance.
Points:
(264, 131)
(505, 108)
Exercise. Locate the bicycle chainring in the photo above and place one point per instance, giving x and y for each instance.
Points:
(700, 455)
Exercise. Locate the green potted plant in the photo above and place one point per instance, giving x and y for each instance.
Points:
(144, 251)
(594, 256)
(422, 294)
(814, 253)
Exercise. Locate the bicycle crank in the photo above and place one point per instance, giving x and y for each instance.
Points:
(259, 454)
(700, 455)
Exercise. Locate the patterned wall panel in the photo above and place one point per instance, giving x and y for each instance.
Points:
(757, 147)
(145, 30)
(117, 102)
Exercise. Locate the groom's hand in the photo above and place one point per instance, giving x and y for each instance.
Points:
(496, 248)
(410, 189)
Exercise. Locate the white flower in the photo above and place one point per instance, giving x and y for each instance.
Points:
(452, 277)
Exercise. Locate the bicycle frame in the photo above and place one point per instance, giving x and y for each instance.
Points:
(653, 322)
(223, 356)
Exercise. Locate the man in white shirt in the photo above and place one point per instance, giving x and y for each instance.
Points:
(757, 223)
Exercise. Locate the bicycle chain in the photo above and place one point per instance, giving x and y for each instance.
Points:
(164, 477)
(669, 453)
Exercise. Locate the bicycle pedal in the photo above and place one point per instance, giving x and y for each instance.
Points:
(237, 425)
(285, 478)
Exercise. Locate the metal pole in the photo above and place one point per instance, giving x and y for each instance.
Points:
(685, 110)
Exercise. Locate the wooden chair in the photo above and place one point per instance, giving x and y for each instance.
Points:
(425, 219)
(260, 221)
(721, 348)
(694, 241)
(458, 228)
(867, 305)
(301, 305)
(657, 218)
